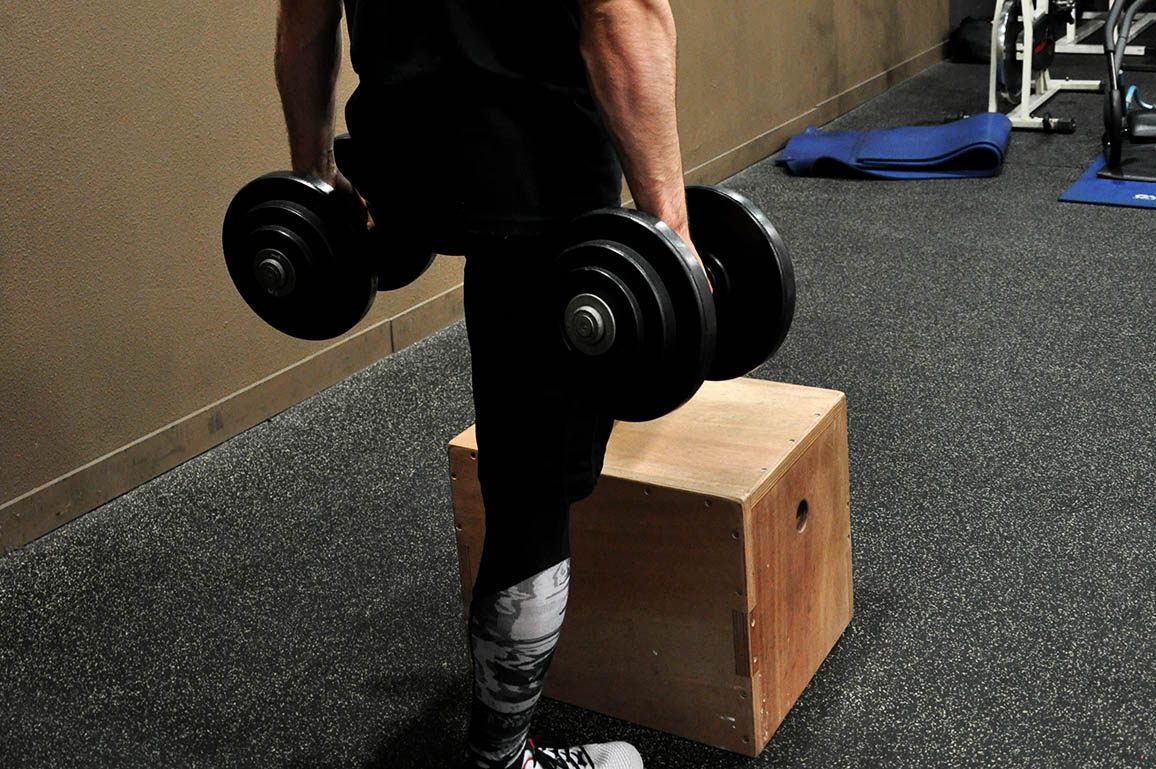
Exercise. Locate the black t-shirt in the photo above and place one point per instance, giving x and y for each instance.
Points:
(476, 116)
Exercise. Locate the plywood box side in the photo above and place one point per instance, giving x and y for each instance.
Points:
(825, 418)
(469, 520)
(657, 579)
(720, 717)
(804, 590)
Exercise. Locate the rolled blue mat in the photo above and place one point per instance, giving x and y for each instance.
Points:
(972, 147)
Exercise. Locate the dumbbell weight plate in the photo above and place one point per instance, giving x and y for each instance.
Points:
(754, 278)
(396, 260)
(400, 267)
(617, 327)
(291, 252)
(651, 383)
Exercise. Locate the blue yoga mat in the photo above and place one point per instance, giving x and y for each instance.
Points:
(971, 147)
(1090, 188)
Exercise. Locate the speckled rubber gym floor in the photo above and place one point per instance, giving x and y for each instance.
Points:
(290, 599)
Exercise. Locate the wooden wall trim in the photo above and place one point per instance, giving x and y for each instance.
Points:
(841, 103)
(59, 501)
(745, 155)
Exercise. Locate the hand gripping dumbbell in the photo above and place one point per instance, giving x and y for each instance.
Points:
(641, 328)
(301, 258)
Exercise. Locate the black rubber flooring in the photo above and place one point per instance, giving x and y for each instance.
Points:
(290, 599)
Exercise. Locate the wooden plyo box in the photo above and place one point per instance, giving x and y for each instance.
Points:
(710, 569)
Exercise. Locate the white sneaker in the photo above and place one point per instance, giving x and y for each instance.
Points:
(610, 755)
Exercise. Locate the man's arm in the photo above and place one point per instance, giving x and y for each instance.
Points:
(307, 61)
(630, 51)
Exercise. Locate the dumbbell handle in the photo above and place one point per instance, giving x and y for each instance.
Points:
(274, 272)
(719, 280)
(590, 324)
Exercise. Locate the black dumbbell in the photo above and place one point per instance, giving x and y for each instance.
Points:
(304, 262)
(642, 330)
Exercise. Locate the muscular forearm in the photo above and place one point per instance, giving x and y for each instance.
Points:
(630, 51)
(308, 58)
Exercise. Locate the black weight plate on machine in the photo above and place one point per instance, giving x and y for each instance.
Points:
(1046, 32)
(755, 292)
(295, 221)
(678, 378)
(1009, 71)
(619, 380)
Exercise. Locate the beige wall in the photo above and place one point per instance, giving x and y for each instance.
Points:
(126, 130)
(755, 72)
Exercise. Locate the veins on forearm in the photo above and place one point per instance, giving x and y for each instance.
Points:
(630, 50)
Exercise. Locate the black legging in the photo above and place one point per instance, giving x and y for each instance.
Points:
(538, 450)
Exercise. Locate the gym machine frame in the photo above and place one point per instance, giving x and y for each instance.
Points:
(1093, 22)
(1036, 89)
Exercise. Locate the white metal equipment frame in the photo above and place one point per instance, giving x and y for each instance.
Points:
(1037, 90)
(1093, 22)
